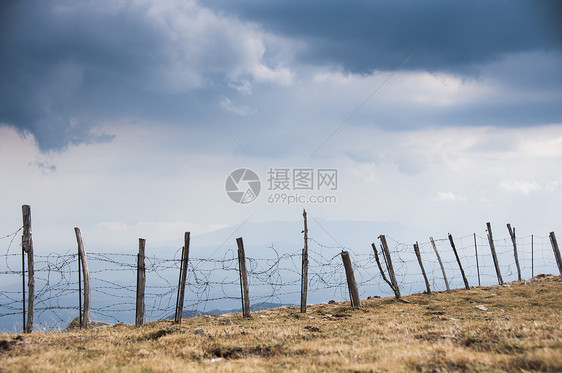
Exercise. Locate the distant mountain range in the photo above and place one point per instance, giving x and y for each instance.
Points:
(288, 237)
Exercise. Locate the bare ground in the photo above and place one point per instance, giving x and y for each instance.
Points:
(518, 329)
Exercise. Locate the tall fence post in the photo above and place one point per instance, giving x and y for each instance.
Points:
(86, 274)
(556, 251)
(23, 285)
(466, 286)
(392, 286)
(183, 278)
(440, 263)
(177, 318)
(80, 291)
(141, 281)
(304, 279)
(244, 286)
(494, 256)
(351, 283)
(514, 241)
(389, 266)
(477, 265)
(418, 255)
(27, 247)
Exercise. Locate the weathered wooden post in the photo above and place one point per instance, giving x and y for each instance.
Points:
(27, 247)
(177, 318)
(392, 286)
(389, 266)
(513, 240)
(351, 283)
(304, 279)
(477, 265)
(418, 255)
(556, 251)
(183, 278)
(80, 291)
(23, 285)
(494, 256)
(440, 263)
(141, 281)
(86, 274)
(244, 286)
(466, 286)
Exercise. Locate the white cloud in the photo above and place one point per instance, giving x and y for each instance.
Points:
(449, 196)
(527, 187)
(241, 110)
(243, 86)
(198, 41)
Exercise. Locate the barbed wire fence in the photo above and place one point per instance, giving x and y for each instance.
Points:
(214, 283)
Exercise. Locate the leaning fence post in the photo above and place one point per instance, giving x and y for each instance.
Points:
(466, 286)
(418, 255)
(304, 279)
(440, 263)
(86, 273)
(244, 286)
(351, 283)
(388, 259)
(141, 281)
(27, 247)
(494, 256)
(556, 251)
(513, 240)
(183, 278)
(394, 288)
(477, 265)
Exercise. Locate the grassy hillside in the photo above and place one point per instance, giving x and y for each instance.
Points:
(519, 328)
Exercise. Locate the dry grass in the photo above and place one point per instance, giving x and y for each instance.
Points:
(441, 332)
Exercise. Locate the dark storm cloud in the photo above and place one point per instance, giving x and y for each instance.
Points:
(451, 36)
(65, 70)
(66, 67)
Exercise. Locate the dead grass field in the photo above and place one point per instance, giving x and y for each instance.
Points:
(521, 331)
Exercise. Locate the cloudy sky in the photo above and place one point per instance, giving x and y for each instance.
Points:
(125, 118)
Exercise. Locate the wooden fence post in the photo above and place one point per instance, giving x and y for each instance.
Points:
(183, 278)
(351, 283)
(27, 247)
(394, 288)
(177, 318)
(466, 286)
(513, 240)
(244, 286)
(23, 285)
(440, 263)
(418, 255)
(80, 291)
(388, 259)
(86, 274)
(556, 251)
(494, 256)
(141, 281)
(304, 279)
(477, 265)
